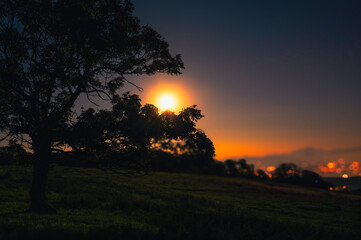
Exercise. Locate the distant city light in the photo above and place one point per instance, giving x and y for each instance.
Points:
(331, 165)
(345, 176)
(271, 168)
(341, 161)
(355, 166)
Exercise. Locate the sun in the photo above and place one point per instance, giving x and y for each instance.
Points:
(166, 102)
(168, 95)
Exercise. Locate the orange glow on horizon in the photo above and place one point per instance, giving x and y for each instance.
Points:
(244, 148)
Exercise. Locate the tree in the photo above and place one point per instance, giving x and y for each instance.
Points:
(138, 136)
(245, 170)
(231, 168)
(312, 179)
(131, 127)
(287, 171)
(53, 51)
(14, 153)
(262, 174)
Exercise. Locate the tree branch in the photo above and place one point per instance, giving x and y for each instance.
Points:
(4, 138)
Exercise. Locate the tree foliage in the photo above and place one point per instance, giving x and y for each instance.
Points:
(239, 168)
(131, 126)
(53, 51)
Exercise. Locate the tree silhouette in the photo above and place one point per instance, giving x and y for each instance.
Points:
(245, 170)
(53, 51)
(231, 168)
(262, 174)
(14, 153)
(131, 127)
(287, 171)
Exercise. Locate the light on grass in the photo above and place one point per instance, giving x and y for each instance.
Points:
(166, 102)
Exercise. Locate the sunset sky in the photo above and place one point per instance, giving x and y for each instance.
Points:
(271, 77)
(277, 81)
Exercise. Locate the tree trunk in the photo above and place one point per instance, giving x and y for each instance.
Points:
(38, 200)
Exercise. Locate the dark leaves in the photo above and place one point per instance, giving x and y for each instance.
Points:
(53, 51)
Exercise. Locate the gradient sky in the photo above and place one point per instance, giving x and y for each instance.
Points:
(269, 76)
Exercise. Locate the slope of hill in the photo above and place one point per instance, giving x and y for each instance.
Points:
(110, 204)
(352, 183)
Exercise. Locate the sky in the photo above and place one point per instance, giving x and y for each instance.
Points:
(278, 81)
(271, 77)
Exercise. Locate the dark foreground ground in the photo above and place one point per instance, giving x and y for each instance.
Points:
(117, 204)
(352, 183)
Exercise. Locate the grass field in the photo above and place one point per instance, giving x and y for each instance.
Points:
(120, 204)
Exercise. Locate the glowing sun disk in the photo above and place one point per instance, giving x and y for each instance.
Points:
(166, 102)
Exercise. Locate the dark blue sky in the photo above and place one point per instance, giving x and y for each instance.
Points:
(270, 76)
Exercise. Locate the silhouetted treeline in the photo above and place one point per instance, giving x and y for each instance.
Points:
(135, 136)
(291, 173)
(15, 154)
(140, 160)
(160, 160)
(285, 173)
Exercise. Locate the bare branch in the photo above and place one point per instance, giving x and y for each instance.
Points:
(99, 92)
(140, 89)
(91, 101)
(4, 138)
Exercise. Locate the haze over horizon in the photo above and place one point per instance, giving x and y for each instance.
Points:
(270, 77)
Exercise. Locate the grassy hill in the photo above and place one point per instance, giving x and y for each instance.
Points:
(113, 204)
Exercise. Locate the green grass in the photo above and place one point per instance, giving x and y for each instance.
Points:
(120, 204)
